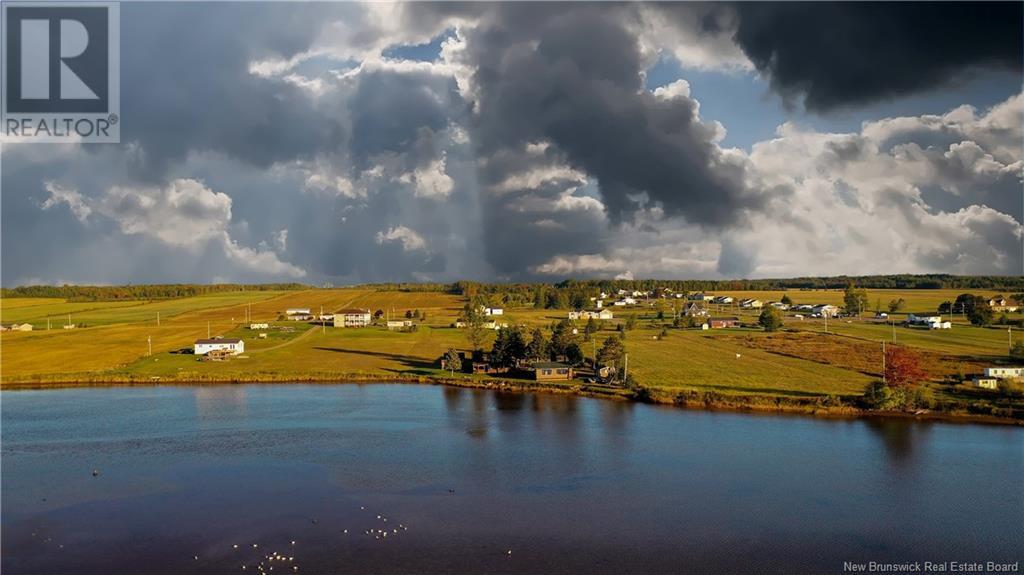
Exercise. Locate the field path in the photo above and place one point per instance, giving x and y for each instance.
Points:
(286, 343)
(303, 335)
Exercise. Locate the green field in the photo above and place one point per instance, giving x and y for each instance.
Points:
(800, 362)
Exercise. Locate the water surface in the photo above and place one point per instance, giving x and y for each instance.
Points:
(566, 484)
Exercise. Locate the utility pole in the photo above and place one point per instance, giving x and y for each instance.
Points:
(625, 366)
(825, 315)
(47, 324)
(69, 320)
(883, 362)
(149, 339)
(158, 319)
(323, 322)
(207, 330)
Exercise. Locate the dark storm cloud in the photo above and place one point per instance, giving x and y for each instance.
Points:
(571, 75)
(836, 54)
(186, 85)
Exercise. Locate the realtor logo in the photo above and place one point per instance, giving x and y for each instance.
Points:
(61, 69)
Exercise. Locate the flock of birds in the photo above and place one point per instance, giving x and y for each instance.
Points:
(286, 562)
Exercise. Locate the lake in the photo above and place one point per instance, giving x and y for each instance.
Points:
(460, 478)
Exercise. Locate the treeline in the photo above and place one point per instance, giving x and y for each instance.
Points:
(899, 281)
(138, 292)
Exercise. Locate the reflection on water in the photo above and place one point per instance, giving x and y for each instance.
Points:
(568, 484)
(221, 402)
(899, 437)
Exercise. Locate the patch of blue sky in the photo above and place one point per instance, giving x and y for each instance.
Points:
(751, 112)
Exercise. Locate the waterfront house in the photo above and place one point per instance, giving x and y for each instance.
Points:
(551, 371)
(225, 345)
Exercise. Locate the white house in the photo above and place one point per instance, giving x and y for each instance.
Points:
(233, 346)
(259, 326)
(751, 304)
(352, 317)
(493, 311)
(1004, 372)
(826, 310)
(298, 314)
(588, 314)
(17, 327)
(779, 305)
(399, 323)
(940, 325)
(723, 299)
(695, 309)
(700, 296)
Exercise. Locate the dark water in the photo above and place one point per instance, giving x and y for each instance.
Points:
(567, 484)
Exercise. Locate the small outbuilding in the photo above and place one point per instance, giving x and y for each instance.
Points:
(986, 382)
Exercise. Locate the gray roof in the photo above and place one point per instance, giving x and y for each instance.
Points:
(549, 365)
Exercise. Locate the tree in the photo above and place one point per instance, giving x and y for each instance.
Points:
(1017, 350)
(540, 297)
(786, 299)
(538, 346)
(855, 300)
(611, 351)
(896, 305)
(770, 319)
(452, 360)
(981, 314)
(630, 322)
(509, 347)
(556, 300)
(590, 329)
(573, 354)
(902, 367)
(475, 331)
(408, 314)
(561, 338)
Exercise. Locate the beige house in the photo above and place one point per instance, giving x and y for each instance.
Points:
(352, 317)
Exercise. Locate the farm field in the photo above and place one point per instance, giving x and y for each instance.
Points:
(800, 361)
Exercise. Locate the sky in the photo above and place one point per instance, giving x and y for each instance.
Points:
(352, 143)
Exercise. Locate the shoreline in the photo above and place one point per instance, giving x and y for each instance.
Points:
(682, 399)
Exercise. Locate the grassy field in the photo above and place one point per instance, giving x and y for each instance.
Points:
(800, 362)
